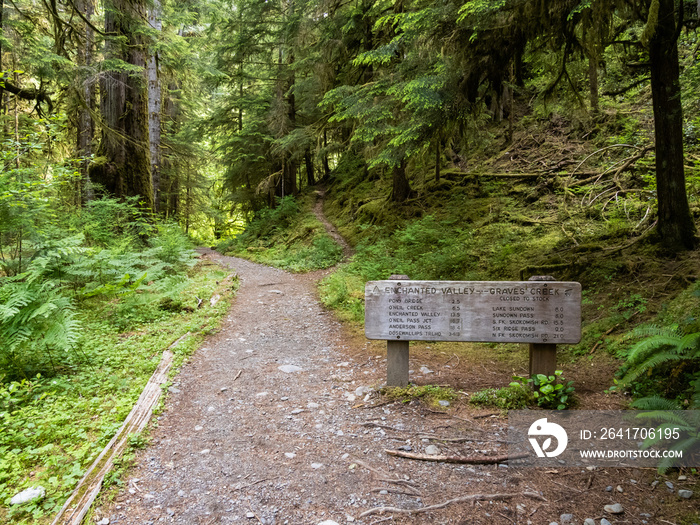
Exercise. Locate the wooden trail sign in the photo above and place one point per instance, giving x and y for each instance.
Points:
(541, 313)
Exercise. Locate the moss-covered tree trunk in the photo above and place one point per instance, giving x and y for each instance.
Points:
(676, 225)
(154, 106)
(122, 166)
(401, 189)
(85, 126)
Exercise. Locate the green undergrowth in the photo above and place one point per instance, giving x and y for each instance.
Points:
(53, 425)
(288, 237)
(487, 224)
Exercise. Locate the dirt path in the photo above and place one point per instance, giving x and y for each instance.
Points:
(287, 440)
(270, 422)
(318, 212)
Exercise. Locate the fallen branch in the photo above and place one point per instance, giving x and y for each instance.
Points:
(408, 491)
(459, 440)
(461, 499)
(469, 460)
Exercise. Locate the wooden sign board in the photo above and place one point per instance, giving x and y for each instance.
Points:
(544, 312)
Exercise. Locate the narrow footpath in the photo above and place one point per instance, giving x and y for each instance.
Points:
(272, 422)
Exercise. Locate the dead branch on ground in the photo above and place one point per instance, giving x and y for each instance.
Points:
(468, 460)
(461, 499)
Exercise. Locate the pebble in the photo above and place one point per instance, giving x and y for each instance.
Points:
(103, 521)
(290, 455)
(443, 403)
(328, 522)
(181, 493)
(654, 483)
(566, 518)
(28, 495)
(288, 369)
(682, 478)
(250, 515)
(198, 428)
(589, 521)
(425, 370)
(619, 488)
(363, 390)
(297, 411)
(205, 451)
(669, 485)
(615, 508)
(608, 488)
(603, 521)
(687, 494)
(316, 465)
(432, 450)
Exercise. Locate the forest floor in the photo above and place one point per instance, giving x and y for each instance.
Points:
(276, 420)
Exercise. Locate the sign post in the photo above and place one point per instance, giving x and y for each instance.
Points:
(541, 313)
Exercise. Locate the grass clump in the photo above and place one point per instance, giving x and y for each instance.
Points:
(429, 394)
(288, 237)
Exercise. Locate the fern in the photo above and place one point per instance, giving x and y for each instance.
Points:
(667, 415)
(666, 346)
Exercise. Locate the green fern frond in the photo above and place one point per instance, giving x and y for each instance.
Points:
(650, 363)
(654, 403)
(654, 343)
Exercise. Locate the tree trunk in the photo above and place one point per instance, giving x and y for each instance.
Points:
(154, 107)
(124, 167)
(310, 177)
(593, 82)
(401, 189)
(2, 91)
(438, 151)
(85, 125)
(676, 225)
(324, 158)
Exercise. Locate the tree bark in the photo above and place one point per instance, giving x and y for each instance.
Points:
(154, 107)
(401, 189)
(438, 151)
(85, 125)
(676, 226)
(310, 177)
(123, 165)
(593, 83)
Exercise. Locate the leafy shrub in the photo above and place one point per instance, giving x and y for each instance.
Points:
(549, 391)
